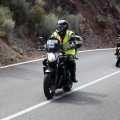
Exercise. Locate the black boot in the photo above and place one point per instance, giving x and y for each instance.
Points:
(73, 75)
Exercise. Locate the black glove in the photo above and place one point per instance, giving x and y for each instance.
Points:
(67, 47)
(71, 38)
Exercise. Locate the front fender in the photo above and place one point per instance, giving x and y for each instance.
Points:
(48, 70)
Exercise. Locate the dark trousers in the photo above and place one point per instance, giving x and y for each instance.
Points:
(71, 64)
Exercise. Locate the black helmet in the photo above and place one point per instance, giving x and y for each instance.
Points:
(61, 27)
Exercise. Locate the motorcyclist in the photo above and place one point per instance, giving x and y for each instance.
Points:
(63, 34)
(118, 45)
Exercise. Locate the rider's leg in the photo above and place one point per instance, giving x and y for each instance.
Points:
(72, 68)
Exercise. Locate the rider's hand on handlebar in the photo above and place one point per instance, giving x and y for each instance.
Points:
(67, 48)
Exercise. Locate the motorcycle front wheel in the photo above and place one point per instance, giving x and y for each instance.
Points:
(118, 61)
(49, 88)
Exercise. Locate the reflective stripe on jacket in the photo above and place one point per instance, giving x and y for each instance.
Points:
(65, 41)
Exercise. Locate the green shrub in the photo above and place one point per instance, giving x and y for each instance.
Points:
(85, 2)
(40, 2)
(20, 9)
(37, 13)
(47, 26)
(6, 22)
(20, 31)
(118, 8)
(26, 13)
(59, 11)
(110, 20)
(4, 2)
(74, 22)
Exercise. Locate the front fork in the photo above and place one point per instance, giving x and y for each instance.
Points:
(49, 70)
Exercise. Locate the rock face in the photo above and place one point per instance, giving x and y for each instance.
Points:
(101, 21)
(118, 29)
(67, 5)
(100, 26)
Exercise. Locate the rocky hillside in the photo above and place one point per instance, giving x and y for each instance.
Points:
(99, 27)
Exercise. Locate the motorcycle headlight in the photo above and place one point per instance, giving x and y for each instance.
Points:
(51, 57)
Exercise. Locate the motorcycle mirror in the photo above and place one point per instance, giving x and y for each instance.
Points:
(42, 39)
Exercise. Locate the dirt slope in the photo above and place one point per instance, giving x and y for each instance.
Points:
(101, 24)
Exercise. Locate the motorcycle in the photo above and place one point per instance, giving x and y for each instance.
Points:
(56, 72)
(118, 58)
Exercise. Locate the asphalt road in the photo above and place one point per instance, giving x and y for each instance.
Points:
(95, 97)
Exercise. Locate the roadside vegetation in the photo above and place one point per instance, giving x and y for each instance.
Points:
(31, 14)
(7, 24)
(21, 14)
(23, 21)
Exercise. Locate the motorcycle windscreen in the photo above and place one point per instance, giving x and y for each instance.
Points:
(53, 45)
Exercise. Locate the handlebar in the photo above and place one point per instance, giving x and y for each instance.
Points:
(67, 48)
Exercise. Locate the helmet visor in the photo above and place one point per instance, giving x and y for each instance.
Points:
(59, 28)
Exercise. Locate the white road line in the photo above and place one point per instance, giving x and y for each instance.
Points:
(60, 96)
(43, 58)
(96, 50)
(21, 63)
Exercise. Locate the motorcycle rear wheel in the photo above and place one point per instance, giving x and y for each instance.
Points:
(68, 87)
(49, 89)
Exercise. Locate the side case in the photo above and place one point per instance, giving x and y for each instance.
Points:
(78, 41)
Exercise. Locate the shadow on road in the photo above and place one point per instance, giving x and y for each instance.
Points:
(81, 98)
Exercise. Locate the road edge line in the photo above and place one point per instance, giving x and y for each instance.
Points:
(21, 63)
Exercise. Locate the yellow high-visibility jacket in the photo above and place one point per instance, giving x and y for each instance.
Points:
(65, 43)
